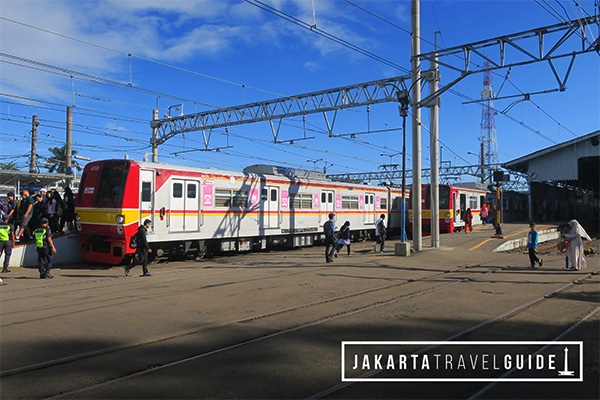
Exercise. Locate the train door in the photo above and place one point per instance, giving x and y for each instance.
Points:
(455, 207)
(146, 195)
(184, 213)
(369, 208)
(270, 197)
(460, 208)
(327, 205)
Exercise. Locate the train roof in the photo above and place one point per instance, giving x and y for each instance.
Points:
(255, 169)
(264, 169)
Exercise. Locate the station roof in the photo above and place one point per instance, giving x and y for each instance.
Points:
(575, 162)
(18, 179)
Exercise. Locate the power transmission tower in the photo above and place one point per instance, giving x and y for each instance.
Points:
(488, 120)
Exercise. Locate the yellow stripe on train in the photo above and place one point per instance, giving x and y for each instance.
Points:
(107, 216)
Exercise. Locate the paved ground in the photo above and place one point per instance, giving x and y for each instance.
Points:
(270, 325)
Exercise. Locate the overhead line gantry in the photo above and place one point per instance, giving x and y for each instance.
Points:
(526, 47)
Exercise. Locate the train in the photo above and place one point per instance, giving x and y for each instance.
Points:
(454, 200)
(195, 211)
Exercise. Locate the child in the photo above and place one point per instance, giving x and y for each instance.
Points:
(344, 239)
(566, 254)
(532, 243)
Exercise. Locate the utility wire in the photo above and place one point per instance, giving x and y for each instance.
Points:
(131, 55)
(324, 34)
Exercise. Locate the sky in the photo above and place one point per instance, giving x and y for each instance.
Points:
(114, 61)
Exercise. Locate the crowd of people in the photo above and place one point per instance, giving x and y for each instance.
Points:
(34, 218)
(26, 213)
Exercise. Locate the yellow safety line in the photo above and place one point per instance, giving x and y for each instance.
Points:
(480, 244)
(487, 240)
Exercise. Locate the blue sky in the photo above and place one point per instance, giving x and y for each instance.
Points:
(219, 53)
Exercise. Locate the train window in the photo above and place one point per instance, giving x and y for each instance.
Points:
(323, 197)
(191, 191)
(263, 194)
(301, 201)
(330, 198)
(178, 190)
(473, 202)
(444, 194)
(222, 198)
(112, 183)
(146, 191)
(227, 198)
(82, 186)
(383, 203)
(350, 202)
(240, 199)
(273, 195)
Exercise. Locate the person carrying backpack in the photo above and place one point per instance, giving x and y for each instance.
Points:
(45, 249)
(329, 230)
(143, 248)
(380, 231)
(344, 239)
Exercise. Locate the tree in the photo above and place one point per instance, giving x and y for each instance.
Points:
(9, 166)
(58, 160)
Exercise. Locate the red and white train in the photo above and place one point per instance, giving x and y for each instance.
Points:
(454, 201)
(199, 210)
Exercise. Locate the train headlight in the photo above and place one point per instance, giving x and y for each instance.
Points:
(447, 215)
(120, 219)
(77, 217)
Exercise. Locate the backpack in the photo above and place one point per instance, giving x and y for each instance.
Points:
(328, 229)
(133, 241)
(345, 233)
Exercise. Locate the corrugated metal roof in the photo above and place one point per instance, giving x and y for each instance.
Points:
(574, 161)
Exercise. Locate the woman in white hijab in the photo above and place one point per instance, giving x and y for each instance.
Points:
(575, 251)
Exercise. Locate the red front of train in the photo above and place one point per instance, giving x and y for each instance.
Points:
(107, 211)
(453, 201)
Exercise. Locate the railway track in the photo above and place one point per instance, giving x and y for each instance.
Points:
(210, 342)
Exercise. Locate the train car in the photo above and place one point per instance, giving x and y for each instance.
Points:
(454, 200)
(199, 210)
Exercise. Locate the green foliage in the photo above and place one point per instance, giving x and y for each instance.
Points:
(12, 166)
(58, 160)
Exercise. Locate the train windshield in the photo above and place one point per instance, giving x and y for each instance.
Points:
(112, 183)
(444, 195)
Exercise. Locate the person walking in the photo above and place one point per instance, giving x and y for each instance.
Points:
(7, 241)
(11, 208)
(52, 211)
(45, 249)
(343, 239)
(532, 244)
(329, 231)
(380, 231)
(484, 214)
(68, 216)
(575, 251)
(468, 218)
(143, 249)
(25, 214)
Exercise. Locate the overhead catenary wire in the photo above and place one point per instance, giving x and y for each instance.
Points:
(147, 121)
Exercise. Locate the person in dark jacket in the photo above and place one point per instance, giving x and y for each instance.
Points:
(329, 230)
(143, 249)
(45, 249)
(344, 239)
